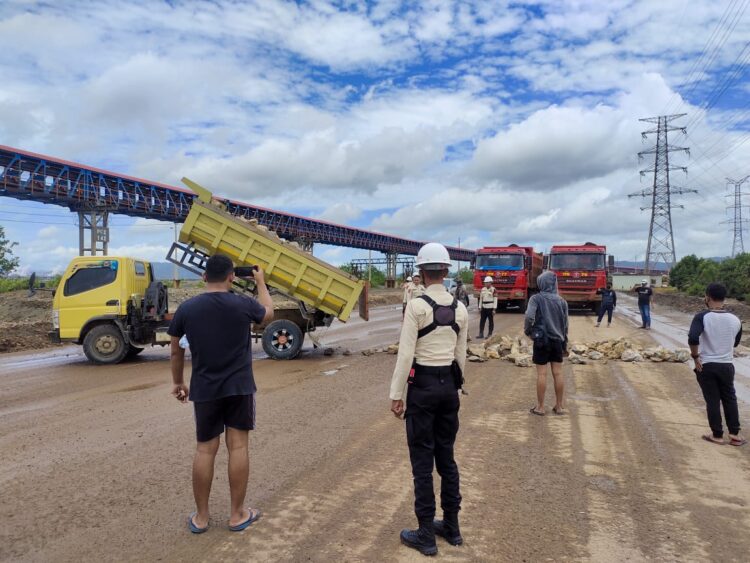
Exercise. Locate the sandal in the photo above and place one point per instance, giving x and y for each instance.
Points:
(192, 527)
(737, 442)
(533, 410)
(254, 515)
(710, 438)
(559, 412)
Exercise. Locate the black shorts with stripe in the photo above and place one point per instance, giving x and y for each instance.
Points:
(211, 417)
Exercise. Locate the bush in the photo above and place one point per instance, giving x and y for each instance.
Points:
(693, 274)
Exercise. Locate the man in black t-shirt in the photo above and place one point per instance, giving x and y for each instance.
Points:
(222, 388)
(644, 303)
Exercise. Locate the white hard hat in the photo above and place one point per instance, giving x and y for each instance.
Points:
(433, 256)
(488, 279)
(408, 279)
(417, 275)
(644, 281)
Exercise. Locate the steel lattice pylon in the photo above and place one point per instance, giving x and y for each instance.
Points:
(737, 222)
(660, 247)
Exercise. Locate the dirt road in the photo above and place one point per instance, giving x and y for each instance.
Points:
(96, 462)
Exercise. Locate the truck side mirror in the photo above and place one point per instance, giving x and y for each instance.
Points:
(611, 262)
(545, 262)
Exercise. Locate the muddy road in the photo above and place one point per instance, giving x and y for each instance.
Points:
(95, 462)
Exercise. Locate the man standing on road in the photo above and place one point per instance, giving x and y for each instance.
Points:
(609, 302)
(428, 376)
(546, 323)
(487, 305)
(417, 288)
(713, 334)
(407, 290)
(222, 387)
(644, 303)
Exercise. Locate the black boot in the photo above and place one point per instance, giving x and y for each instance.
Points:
(422, 539)
(448, 528)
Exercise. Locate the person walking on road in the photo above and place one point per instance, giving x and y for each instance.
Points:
(713, 334)
(487, 306)
(644, 303)
(546, 323)
(427, 377)
(609, 302)
(406, 287)
(222, 388)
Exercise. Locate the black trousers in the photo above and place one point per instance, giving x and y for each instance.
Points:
(431, 426)
(485, 315)
(717, 383)
(605, 309)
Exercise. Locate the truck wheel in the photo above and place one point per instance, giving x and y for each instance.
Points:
(104, 344)
(282, 340)
(133, 351)
(596, 308)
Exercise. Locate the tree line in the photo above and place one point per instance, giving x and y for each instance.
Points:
(693, 274)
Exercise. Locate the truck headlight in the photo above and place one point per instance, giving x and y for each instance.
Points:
(56, 318)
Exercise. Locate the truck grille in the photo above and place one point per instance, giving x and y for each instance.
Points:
(506, 280)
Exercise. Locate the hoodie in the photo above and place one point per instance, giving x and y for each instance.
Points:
(551, 308)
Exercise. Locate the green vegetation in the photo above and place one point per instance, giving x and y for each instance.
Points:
(693, 274)
(378, 277)
(15, 284)
(8, 262)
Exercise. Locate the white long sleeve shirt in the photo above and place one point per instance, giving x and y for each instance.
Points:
(438, 348)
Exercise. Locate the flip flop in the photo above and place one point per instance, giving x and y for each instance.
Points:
(710, 438)
(254, 515)
(558, 412)
(192, 527)
(737, 442)
(533, 410)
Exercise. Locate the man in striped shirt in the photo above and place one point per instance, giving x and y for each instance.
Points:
(713, 334)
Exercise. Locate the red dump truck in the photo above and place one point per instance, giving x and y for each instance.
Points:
(581, 270)
(513, 269)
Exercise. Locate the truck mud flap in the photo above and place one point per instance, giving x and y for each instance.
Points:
(364, 302)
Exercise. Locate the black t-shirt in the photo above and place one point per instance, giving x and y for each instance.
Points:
(644, 295)
(217, 325)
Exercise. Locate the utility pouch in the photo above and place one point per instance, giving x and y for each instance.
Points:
(538, 331)
(410, 378)
(458, 376)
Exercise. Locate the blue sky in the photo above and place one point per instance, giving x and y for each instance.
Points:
(492, 121)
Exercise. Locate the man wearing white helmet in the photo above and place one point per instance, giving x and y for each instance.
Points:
(644, 303)
(427, 378)
(487, 306)
(417, 289)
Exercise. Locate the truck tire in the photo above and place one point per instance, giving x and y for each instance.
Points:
(105, 344)
(596, 308)
(282, 340)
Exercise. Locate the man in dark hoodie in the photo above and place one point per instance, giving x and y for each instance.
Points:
(609, 302)
(546, 323)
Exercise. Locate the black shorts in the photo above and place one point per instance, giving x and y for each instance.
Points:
(551, 352)
(211, 417)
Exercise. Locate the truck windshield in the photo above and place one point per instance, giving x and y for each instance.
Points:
(499, 262)
(577, 261)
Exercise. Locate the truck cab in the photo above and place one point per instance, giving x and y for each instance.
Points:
(581, 272)
(513, 270)
(110, 305)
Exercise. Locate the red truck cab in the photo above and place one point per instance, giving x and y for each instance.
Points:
(581, 271)
(513, 269)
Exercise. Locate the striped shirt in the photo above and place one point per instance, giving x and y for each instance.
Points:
(716, 332)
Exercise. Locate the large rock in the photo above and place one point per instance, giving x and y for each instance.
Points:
(392, 349)
(594, 355)
(476, 359)
(576, 359)
(631, 356)
(494, 340)
(492, 353)
(523, 361)
(681, 355)
(579, 349)
(477, 350)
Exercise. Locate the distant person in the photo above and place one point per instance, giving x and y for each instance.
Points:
(417, 288)
(546, 323)
(222, 388)
(645, 294)
(609, 302)
(460, 293)
(487, 304)
(425, 391)
(713, 334)
(405, 286)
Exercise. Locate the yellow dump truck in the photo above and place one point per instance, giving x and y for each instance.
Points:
(114, 307)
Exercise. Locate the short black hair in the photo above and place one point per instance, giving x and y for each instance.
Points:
(716, 291)
(609, 284)
(218, 268)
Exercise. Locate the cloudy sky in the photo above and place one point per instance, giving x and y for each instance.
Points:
(489, 121)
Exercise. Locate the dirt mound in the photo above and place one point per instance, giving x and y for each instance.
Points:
(15, 337)
(693, 304)
(19, 307)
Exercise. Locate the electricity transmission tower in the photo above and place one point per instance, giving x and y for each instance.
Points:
(660, 245)
(737, 221)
